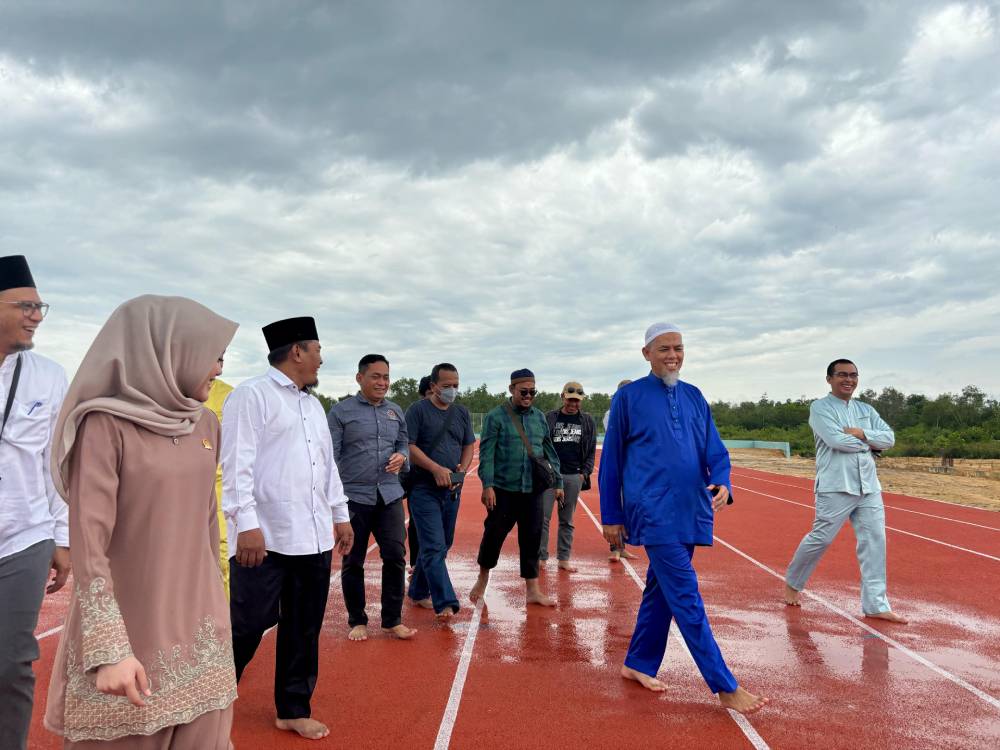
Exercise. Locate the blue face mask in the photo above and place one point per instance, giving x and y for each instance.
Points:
(448, 395)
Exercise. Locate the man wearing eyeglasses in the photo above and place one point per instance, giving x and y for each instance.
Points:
(574, 435)
(509, 492)
(34, 531)
(847, 432)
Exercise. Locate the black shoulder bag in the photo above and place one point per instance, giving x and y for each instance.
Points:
(10, 396)
(543, 476)
(407, 480)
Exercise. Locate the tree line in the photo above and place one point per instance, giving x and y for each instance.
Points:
(959, 425)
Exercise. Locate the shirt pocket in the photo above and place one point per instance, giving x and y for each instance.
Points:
(388, 430)
(28, 424)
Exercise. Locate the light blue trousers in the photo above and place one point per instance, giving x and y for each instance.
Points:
(867, 516)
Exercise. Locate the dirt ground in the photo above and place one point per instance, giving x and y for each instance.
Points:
(970, 484)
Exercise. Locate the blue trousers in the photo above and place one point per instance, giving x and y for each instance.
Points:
(672, 594)
(435, 510)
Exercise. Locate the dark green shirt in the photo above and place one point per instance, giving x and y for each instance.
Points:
(503, 461)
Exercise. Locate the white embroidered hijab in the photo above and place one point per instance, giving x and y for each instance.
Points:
(148, 357)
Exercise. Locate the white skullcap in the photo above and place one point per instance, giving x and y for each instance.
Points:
(658, 329)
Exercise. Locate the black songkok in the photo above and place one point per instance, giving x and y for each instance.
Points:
(289, 331)
(14, 273)
(519, 376)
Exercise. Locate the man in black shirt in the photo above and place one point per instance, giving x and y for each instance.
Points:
(575, 437)
(441, 446)
(424, 390)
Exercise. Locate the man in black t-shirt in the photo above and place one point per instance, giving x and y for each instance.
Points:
(424, 390)
(575, 437)
(441, 446)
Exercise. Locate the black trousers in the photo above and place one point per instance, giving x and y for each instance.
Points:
(387, 523)
(289, 591)
(523, 509)
(411, 538)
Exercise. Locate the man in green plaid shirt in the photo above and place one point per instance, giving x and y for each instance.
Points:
(508, 492)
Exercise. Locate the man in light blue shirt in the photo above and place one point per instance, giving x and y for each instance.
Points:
(847, 486)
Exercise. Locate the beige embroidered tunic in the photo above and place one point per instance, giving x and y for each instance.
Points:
(144, 536)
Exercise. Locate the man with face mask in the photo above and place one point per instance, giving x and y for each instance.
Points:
(664, 474)
(441, 446)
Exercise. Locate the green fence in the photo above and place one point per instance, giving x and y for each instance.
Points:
(771, 444)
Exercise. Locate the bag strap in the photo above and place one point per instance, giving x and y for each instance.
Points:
(520, 429)
(443, 429)
(10, 395)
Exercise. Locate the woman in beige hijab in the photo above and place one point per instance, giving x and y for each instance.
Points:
(145, 659)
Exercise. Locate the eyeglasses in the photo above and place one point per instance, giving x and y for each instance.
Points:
(28, 309)
(847, 375)
(573, 390)
(527, 392)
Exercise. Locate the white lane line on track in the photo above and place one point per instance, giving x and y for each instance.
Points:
(894, 507)
(741, 721)
(50, 631)
(982, 695)
(890, 528)
(458, 684)
(913, 497)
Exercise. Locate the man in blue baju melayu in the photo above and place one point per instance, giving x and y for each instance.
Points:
(847, 486)
(664, 474)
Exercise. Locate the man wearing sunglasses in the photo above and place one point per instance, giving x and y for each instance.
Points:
(664, 475)
(574, 435)
(34, 531)
(847, 432)
(510, 493)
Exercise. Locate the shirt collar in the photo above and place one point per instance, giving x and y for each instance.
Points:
(518, 409)
(281, 379)
(8, 362)
(656, 378)
(361, 397)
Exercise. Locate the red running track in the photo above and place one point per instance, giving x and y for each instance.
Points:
(501, 676)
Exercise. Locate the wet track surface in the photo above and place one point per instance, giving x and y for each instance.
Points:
(549, 677)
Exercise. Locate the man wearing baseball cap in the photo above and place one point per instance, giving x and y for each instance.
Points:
(574, 435)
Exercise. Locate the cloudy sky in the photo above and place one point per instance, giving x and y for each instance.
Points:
(508, 184)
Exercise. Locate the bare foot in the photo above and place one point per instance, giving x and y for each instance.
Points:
(626, 555)
(402, 632)
(614, 556)
(425, 603)
(445, 615)
(650, 683)
(533, 594)
(308, 728)
(889, 616)
(742, 701)
(792, 597)
(480, 586)
(567, 566)
(358, 633)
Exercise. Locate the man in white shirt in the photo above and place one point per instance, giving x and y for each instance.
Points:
(34, 531)
(286, 509)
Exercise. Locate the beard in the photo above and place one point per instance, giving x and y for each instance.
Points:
(670, 378)
(308, 387)
(22, 347)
